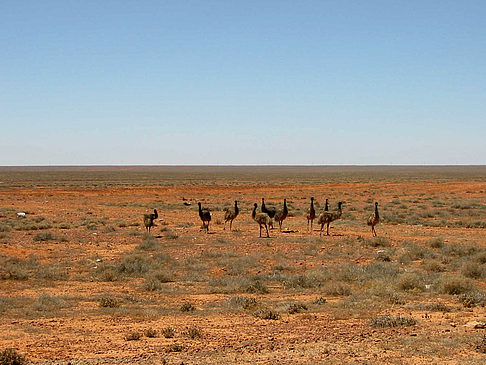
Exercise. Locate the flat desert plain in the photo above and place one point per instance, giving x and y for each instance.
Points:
(82, 283)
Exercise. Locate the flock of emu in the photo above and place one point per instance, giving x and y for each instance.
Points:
(268, 215)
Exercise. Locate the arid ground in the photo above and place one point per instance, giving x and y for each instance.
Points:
(81, 282)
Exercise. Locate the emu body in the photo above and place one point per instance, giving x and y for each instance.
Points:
(311, 214)
(230, 214)
(374, 219)
(328, 217)
(205, 216)
(263, 219)
(280, 215)
(148, 220)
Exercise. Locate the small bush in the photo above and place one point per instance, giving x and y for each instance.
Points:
(152, 284)
(243, 302)
(43, 236)
(108, 302)
(481, 345)
(109, 229)
(266, 313)
(410, 282)
(51, 272)
(390, 321)
(437, 307)
(148, 244)
(296, 308)
(168, 332)
(187, 307)
(134, 264)
(320, 301)
(436, 242)
(171, 235)
(193, 332)
(175, 347)
(481, 257)
(150, 332)
(472, 270)
(453, 284)
(256, 287)
(4, 228)
(313, 279)
(376, 242)
(10, 356)
(337, 288)
(46, 303)
(133, 336)
(107, 273)
(472, 299)
(433, 266)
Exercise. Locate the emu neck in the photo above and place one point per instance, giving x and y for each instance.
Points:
(253, 213)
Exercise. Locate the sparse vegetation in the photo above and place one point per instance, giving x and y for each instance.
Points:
(193, 332)
(150, 333)
(390, 321)
(187, 307)
(133, 336)
(10, 356)
(168, 332)
(266, 313)
(111, 273)
(108, 301)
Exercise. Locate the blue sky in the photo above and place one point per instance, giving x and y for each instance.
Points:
(242, 82)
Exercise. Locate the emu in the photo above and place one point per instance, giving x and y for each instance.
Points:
(205, 216)
(263, 219)
(328, 217)
(374, 219)
(280, 215)
(311, 214)
(148, 220)
(230, 214)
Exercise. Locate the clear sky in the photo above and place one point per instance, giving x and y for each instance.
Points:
(242, 82)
